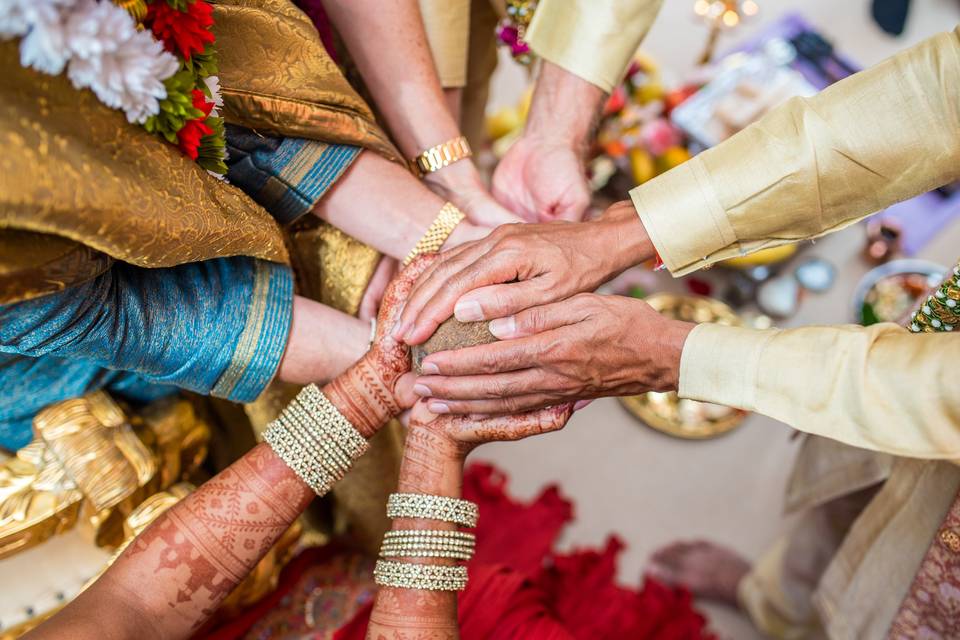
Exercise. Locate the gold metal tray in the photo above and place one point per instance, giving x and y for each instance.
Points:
(665, 412)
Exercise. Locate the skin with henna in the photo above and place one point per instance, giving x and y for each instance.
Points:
(175, 574)
(436, 447)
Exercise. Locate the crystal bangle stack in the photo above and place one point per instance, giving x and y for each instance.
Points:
(315, 440)
(388, 573)
(427, 507)
(437, 233)
(442, 155)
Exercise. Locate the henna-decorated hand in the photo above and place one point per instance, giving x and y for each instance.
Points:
(380, 384)
(457, 435)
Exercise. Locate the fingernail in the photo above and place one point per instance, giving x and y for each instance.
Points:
(468, 311)
(438, 407)
(422, 390)
(503, 327)
(399, 329)
(580, 404)
(429, 369)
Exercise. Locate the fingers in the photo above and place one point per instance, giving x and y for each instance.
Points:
(404, 392)
(437, 300)
(513, 427)
(496, 357)
(498, 406)
(503, 385)
(398, 292)
(536, 319)
(430, 281)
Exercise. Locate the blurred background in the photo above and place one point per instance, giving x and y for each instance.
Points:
(651, 469)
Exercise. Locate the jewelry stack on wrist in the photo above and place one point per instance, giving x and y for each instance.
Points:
(437, 233)
(427, 543)
(315, 440)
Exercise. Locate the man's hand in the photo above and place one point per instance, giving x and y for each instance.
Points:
(585, 347)
(541, 262)
(542, 179)
(542, 176)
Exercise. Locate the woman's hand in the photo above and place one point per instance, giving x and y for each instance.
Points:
(460, 183)
(585, 347)
(541, 262)
(380, 385)
(386, 269)
(454, 436)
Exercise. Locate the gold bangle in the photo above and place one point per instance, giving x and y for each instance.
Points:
(437, 233)
(438, 157)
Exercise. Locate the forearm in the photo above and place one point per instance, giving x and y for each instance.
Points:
(387, 41)
(814, 165)
(323, 343)
(380, 203)
(565, 108)
(175, 574)
(431, 465)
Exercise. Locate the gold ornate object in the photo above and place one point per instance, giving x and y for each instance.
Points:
(668, 413)
(941, 310)
(441, 155)
(89, 467)
(437, 233)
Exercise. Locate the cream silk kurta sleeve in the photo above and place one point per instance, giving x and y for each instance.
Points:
(810, 167)
(447, 23)
(593, 39)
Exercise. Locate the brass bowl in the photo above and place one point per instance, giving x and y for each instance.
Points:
(667, 413)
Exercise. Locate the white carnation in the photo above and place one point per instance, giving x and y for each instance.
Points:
(213, 86)
(124, 67)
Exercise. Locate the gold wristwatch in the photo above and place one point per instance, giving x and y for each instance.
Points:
(438, 157)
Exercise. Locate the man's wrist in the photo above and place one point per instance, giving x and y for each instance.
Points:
(564, 109)
(624, 239)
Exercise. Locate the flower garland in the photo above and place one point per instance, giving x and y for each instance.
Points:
(152, 59)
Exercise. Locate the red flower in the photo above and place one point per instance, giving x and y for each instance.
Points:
(187, 31)
(193, 131)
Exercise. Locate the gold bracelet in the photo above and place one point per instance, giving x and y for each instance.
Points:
(437, 233)
(438, 157)
(388, 573)
(315, 440)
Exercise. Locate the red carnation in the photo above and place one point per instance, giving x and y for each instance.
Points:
(187, 31)
(193, 131)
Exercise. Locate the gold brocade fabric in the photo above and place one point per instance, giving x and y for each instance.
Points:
(276, 77)
(36, 264)
(72, 167)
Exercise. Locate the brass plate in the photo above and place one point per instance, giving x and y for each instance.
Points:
(667, 413)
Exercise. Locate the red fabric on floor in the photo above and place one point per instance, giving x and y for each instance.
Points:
(519, 589)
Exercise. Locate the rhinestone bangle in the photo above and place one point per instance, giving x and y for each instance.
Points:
(389, 573)
(427, 507)
(315, 440)
(425, 543)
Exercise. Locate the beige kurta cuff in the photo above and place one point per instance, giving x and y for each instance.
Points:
(447, 23)
(683, 218)
(880, 387)
(593, 39)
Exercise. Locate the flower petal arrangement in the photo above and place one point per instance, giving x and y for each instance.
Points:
(152, 59)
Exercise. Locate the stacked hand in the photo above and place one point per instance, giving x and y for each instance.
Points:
(557, 344)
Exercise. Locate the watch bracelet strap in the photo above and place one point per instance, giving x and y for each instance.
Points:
(437, 233)
(441, 155)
